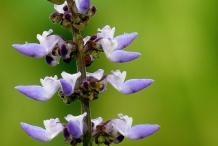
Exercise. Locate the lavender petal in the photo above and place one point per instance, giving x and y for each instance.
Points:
(120, 56)
(31, 50)
(35, 132)
(125, 39)
(34, 92)
(142, 131)
(135, 85)
(66, 87)
(74, 129)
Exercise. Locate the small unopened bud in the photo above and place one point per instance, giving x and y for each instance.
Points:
(67, 16)
(66, 24)
(95, 54)
(57, 2)
(88, 60)
(81, 25)
(91, 11)
(56, 17)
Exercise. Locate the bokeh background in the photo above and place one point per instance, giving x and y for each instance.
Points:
(178, 41)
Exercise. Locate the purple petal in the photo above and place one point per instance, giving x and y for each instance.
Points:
(74, 129)
(34, 92)
(35, 132)
(32, 50)
(66, 87)
(135, 85)
(125, 39)
(120, 56)
(83, 6)
(142, 131)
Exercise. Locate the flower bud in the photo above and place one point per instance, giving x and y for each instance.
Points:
(56, 17)
(91, 11)
(66, 24)
(81, 25)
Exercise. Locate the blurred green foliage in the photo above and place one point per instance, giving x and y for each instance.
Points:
(178, 41)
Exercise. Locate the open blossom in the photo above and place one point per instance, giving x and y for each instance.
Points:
(76, 125)
(113, 46)
(123, 126)
(52, 128)
(68, 82)
(47, 43)
(49, 87)
(130, 86)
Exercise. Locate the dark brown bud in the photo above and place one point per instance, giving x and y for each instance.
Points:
(91, 11)
(56, 17)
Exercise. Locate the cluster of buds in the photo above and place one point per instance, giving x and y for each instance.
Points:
(75, 14)
(83, 86)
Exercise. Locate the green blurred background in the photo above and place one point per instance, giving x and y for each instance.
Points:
(178, 41)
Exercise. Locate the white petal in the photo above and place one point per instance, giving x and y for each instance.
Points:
(53, 127)
(108, 46)
(116, 79)
(98, 74)
(106, 32)
(59, 8)
(96, 122)
(50, 85)
(71, 78)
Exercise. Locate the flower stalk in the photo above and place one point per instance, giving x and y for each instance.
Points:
(80, 62)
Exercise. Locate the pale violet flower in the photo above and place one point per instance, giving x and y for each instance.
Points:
(130, 86)
(96, 75)
(49, 87)
(47, 43)
(95, 123)
(81, 5)
(124, 127)
(68, 82)
(52, 128)
(113, 46)
(76, 125)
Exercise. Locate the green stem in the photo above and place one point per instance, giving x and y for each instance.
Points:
(84, 103)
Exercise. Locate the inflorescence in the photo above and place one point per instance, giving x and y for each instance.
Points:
(83, 86)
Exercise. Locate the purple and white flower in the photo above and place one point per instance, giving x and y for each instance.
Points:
(52, 128)
(113, 46)
(68, 82)
(49, 87)
(47, 43)
(81, 5)
(130, 86)
(123, 126)
(76, 126)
